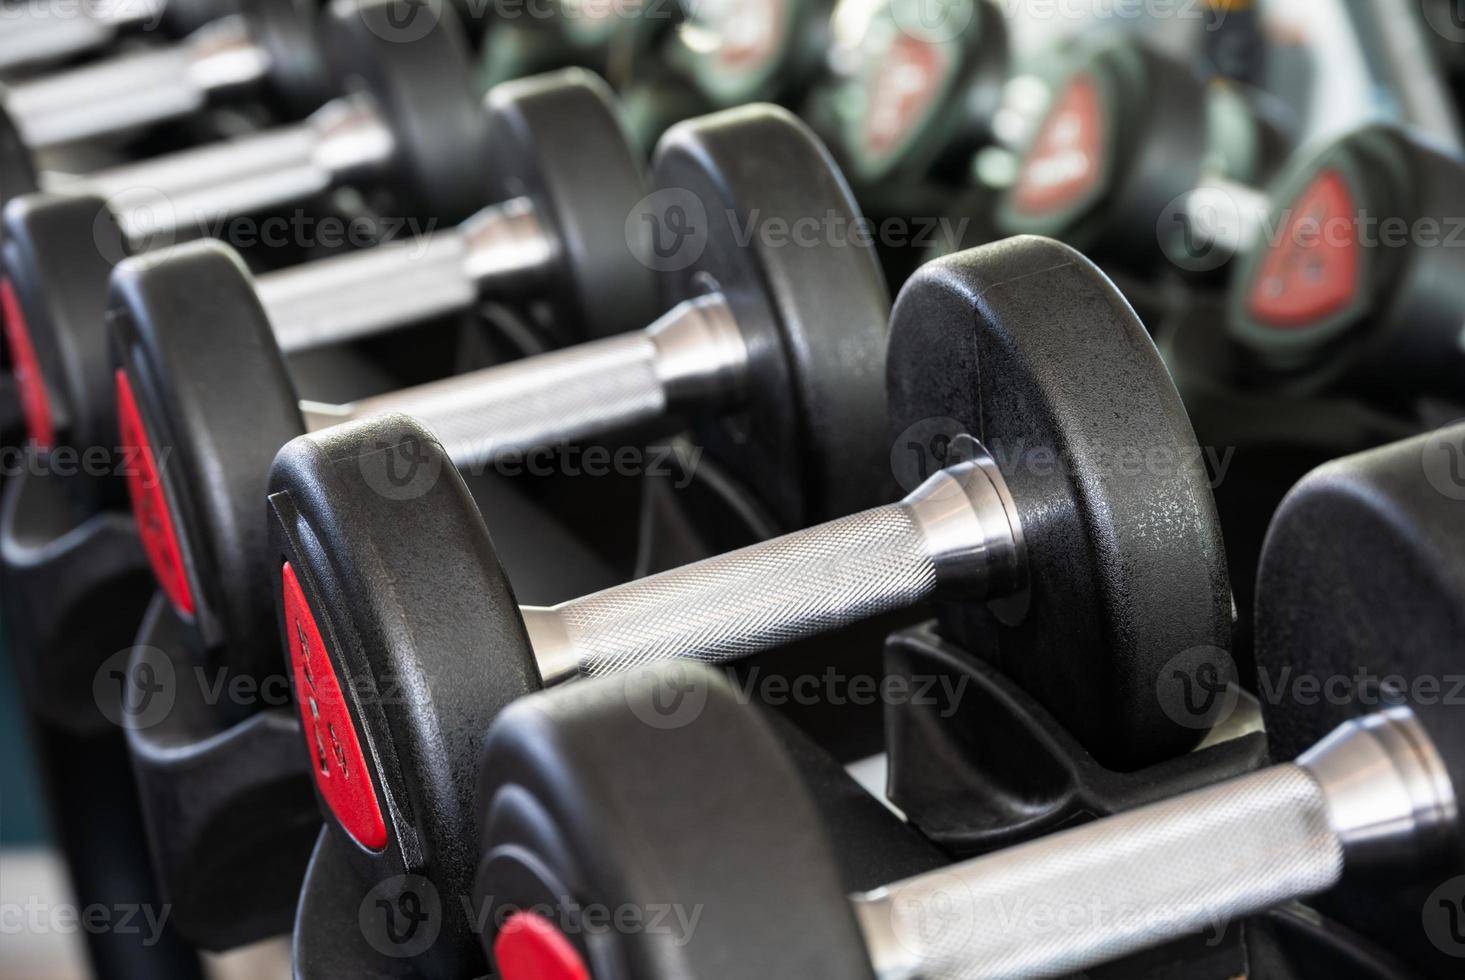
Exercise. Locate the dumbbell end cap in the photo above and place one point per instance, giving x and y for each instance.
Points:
(1407, 810)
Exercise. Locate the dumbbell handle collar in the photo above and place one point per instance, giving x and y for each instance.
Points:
(1222, 218)
(693, 355)
(198, 188)
(134, 90)
(33, 33)
(957, 531)
(1374, 794)
(371, 290)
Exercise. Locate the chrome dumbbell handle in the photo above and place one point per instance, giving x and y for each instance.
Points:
(374, 289)
(958, 529)
(1373, 792)
(1221, 217)
(696, 351)
(119, 94)
(196, 189)
(37, 32)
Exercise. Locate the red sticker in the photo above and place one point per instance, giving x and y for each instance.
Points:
(30, 384)
(529, 947)
(903, 91)
(340, 765)
(1312, 271)
(150, 503)
(1066, 160)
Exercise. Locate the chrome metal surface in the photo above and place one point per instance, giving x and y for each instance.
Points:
(134, 90)
(949, 532)
(31, 33)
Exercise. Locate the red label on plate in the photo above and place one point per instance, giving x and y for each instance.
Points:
(1311, 272)
(340, 765)
(1066, 160)
(903, 89)
(30, 384)
(529, 947)
(150, 502)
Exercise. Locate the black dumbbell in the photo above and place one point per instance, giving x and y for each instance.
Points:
(269, 48)
(37, 33)
(1353, 283)
(1134, 157)
(605, 797)
(723, 54)
(1109, 570)
(206, 385)
(415, 129)
(1360, 606)
(783, 343)
(913, 90)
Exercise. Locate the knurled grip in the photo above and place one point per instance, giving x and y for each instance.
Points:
(552, 398)
(365, 292)
(728, 607)
(1097, 892)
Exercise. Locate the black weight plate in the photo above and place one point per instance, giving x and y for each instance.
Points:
(748, 201)
(1146, 114)
(216, 403)
(17, 165)
(558, 139)
(299, 80)
(1025, 345)
(657, 790)
(1363, 569)
(58, 253)
(399, 582)
(411, 56)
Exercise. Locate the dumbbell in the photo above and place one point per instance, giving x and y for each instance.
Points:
(1360, 606)
(1107, 571)
(717, 820)
(37, 33)
(414, 130)
(783, 343)
(1135, 158)
(913, 89)
(607, 36)
(269, 47)
(727, 53)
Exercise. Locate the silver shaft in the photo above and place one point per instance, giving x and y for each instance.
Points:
(956, 530)
(1101, 891)
(35, 32)
(570, 394)
(375, 289)
(197, 189)
(135, 90)
(1224, 217)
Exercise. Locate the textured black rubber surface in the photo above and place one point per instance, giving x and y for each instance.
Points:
(1025, 345)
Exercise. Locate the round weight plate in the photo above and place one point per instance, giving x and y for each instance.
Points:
(1328, 617)
(17, 165)
(405, 641)
(411, 56)
(659, 790)
(558, 140)
(748, 201)
(1125, 139)
(1027, 346)
(299, 80)
(58, 253)
(214, 401)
